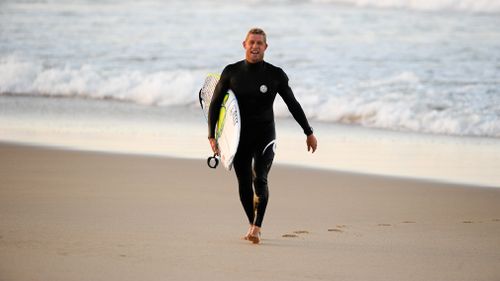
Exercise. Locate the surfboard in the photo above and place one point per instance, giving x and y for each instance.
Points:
(227, 130)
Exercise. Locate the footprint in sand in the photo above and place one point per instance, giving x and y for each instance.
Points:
(467, 222)
(384, 224)
(495, 220)
(295, 234)
(338, 228)
(408, 222)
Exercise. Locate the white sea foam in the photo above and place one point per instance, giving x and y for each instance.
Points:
(405, 103)
(392, 103)
(164, 88)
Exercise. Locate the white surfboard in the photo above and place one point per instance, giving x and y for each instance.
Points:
(227, 131)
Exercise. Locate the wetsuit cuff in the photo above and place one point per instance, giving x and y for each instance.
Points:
(308, 131)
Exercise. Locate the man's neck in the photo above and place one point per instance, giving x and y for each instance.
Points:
(253, 62)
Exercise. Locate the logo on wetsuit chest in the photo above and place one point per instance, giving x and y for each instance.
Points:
(263, 89)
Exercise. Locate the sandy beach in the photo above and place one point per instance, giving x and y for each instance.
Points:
(70, 215)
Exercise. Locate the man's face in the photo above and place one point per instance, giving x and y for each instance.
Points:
(254, 48)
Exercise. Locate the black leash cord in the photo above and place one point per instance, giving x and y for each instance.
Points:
(213, 161)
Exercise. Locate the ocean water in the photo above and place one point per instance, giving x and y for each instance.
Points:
(419, 77)
(417, 66)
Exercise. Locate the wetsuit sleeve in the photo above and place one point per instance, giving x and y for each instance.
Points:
(217, 98)
(293, 105)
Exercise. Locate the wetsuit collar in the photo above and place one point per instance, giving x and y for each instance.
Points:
(254, 66)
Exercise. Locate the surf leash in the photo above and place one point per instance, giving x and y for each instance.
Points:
(213, 161)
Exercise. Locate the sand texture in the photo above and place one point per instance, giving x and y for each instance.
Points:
(68, 215)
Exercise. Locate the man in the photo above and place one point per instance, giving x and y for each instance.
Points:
(255, 84)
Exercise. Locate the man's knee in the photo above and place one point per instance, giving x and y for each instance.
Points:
(261, 189)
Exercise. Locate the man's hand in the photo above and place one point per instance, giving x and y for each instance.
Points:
(312, 143)
(213, 144)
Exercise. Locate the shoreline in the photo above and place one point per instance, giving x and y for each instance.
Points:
(287, 165)
(92, 125)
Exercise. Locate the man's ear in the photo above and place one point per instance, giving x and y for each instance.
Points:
(244, 44)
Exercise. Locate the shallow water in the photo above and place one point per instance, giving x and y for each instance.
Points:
(112, 126)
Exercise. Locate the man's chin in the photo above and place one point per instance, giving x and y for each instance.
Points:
(254, 59)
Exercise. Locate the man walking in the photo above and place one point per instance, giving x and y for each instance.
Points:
(255, 84)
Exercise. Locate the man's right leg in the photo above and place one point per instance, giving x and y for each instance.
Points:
(243, 168)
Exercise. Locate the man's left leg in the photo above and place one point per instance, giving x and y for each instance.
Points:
(263, 160)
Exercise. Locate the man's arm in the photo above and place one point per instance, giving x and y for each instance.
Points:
(297, 112)
(213, 111)
(293, 105)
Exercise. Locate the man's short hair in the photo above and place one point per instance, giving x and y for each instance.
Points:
(257, 31)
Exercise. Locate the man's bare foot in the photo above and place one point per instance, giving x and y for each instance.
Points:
(255, 235)
(249, 232)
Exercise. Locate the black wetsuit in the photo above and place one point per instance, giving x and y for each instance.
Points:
(255, 87)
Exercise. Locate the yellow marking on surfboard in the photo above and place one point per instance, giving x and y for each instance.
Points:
(214, 75)
(222, 117)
